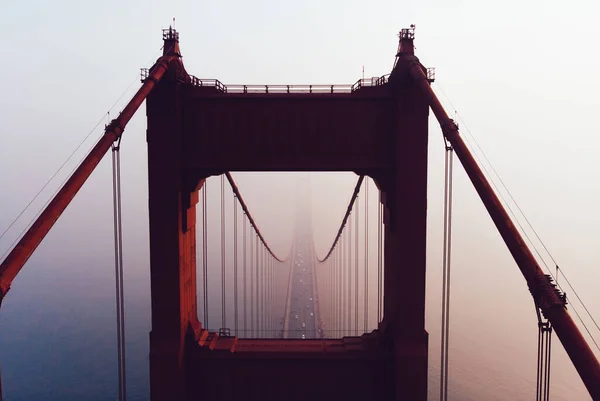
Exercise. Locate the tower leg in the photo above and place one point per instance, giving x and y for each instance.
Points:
(172, 203)
(405, 250)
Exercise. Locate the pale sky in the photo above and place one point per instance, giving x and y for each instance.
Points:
(522, 75)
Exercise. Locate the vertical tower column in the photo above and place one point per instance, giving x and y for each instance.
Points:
(172, 201)
(405, 243)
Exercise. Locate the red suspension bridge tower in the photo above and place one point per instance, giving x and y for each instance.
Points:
(376, 127)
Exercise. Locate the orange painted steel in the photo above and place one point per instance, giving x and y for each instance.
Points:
(12, 265)
(546, 297)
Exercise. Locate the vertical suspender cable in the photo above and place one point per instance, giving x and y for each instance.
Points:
(256, 272)
(330, 265)
(265, 289)
(123, 353)
(539, 396)
(342, 295)
(223, 292)
(343, 288)
(251, 286)
(336, 283)
(336, 288)
(446, 273)
(260, 292)
(273, 300)
(270, 298)
(257, 288)
(339, 282)
(271, 269)
(548, 354)
(349, 292)
(263, 292)
(444, 256)
(336, 261)
(205, 253)
(117, 275)
(448, 265)
(118, 233)
(332, 291)
(235, 267)
(329, 298)
(117, 269)
(244, 280)
(543, 358)
(356, 230)
(272, 295)
(366, 295)
(266, 295)
(379, 258)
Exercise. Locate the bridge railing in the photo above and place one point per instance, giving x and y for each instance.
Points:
(282, 89)
(373, 81)
(211, 83)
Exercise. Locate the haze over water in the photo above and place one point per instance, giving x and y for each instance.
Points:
(521, 80)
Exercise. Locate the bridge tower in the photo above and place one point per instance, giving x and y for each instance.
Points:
(377, 127)
(172, 217)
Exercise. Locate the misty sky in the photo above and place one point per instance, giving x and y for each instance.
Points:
(522, 75)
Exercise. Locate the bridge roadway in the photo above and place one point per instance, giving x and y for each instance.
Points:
(302, 317)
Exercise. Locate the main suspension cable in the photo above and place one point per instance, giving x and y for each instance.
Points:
(345, 219)
(64, 163)
(236, 191)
